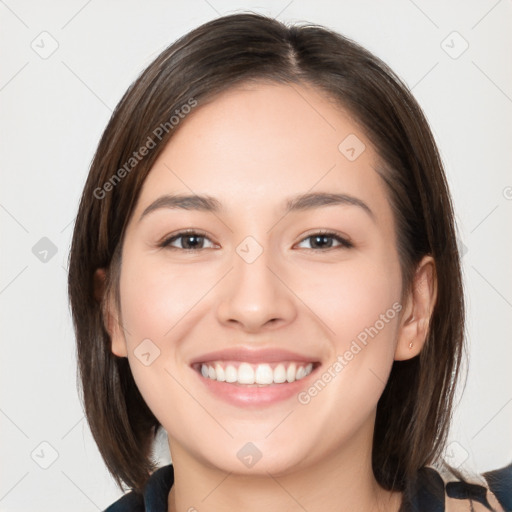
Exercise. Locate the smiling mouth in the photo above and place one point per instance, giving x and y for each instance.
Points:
(247, 374)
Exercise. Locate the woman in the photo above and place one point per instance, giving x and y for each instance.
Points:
(264, 264)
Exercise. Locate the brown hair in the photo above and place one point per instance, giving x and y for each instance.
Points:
(414, 411)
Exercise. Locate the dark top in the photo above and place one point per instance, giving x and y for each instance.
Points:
(430, 493)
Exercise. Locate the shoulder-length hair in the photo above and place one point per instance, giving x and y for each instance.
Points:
(414, 411)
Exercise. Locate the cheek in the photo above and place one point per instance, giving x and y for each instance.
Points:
(354, 296)
(158, 305)
(161, 305)
(360, 306)
(156, 298)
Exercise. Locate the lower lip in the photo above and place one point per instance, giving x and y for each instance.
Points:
(247, 395)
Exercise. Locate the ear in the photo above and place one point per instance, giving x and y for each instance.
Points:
(110, 314)
(416, 315)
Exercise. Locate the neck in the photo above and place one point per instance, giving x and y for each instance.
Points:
(341, 482)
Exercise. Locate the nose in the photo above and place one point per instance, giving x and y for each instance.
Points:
(254, 295)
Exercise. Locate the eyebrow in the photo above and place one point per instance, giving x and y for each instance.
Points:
(300, 202)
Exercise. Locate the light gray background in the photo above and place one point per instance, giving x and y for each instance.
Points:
(53, 111)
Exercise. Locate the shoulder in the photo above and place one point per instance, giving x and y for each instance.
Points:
(446, 490)
(154, 496)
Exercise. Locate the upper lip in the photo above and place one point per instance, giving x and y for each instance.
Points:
(268, 355)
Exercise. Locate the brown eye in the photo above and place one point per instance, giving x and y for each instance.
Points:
(187, 241)
(327, 240)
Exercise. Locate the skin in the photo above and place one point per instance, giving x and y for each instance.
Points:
(252, 148)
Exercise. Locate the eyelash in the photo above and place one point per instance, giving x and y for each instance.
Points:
(344, 243)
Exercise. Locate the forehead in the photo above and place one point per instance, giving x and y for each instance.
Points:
(257, 143)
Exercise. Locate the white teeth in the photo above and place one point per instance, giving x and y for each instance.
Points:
(260, 374)
(231, 373)
(221, 376)
(245, 374)
(264, 374)
(279, 374)
(291, 373)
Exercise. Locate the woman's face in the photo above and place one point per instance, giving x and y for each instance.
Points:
(289, 274)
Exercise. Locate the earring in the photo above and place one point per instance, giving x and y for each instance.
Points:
(410, 344)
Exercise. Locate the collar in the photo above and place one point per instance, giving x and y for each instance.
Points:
(157, 489)
(426, 493)
(154, 497)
